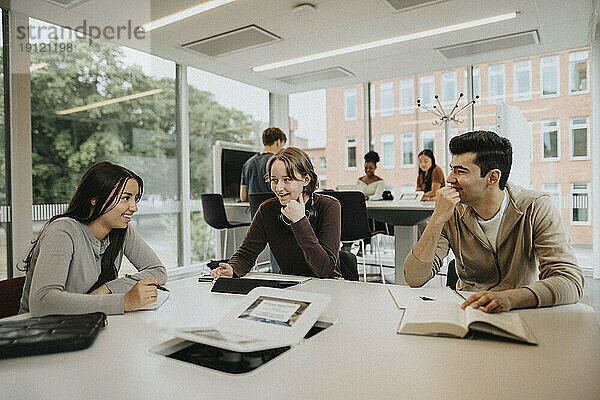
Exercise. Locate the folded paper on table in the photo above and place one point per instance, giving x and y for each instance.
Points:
(162, 297)
(263, 319)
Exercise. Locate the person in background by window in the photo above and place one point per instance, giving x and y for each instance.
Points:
(370, 184)
(302, 228)
(254, 172)
(72, 267)
(431, 176)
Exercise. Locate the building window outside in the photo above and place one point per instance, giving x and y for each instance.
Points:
(550, 140)
(386, 91)
(553, 189)
(427, 86)
(449, 88)
(312, 161)
(372, 111)
(322, 163)
(578, 76)
(351, 154)
(550, 76)
(388, 151)
(580, 140)
(428, 140)
(408, 149)
(580, 194)
(496, 83)
(476, 84)
(407, 96)
(522, 80)
(350, 104)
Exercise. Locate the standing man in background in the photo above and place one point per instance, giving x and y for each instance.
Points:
(254, 171)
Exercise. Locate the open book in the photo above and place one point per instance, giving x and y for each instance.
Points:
(265, 318)
(439, 318)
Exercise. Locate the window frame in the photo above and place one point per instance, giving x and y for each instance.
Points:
(555, 193)
(517, 67)
(557, 66)
(403, 141)
(387, 138)
(347, 94)
(572, 138)
(350, 142)
(587, 192)
(386, 89)
(421, 82)
(454, 79)
(496, 99)
(427, 134)
(402, 85)
(587, 72)
(547, 130)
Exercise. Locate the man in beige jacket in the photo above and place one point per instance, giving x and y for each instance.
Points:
(501, 234)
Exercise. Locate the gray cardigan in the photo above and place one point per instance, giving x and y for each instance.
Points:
(65, 264)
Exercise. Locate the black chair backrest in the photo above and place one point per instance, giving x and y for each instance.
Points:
(256, 199)
(11, 291)
(213, 209)
(348, 265)
(451, 277)
(355, 224)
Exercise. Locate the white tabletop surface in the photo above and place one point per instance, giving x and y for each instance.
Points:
(360, 357)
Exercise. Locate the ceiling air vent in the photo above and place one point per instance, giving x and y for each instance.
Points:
(329, 73)
(229, 42)
(492, 44)
(404, 5)
(67, 3)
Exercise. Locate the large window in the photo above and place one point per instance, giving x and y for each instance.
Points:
(97, 101)
(496, 83)
(427, 85)
(578, 72)
(407, 96)
(386, 91)
(550, 76)
(522, 80)
(580, 139)
(550, 140)
(553, 189)
(428, 140)
(388, 150)
(350, 104)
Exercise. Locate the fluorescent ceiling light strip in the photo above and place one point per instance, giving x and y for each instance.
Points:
(108, 102)
(180, 15)
(386, 42)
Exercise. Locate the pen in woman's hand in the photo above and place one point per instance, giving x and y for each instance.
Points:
(135, 278)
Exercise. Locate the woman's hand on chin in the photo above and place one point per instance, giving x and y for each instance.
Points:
(294, 210)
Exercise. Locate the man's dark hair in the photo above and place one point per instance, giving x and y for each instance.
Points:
(491, 151)
(273, 134)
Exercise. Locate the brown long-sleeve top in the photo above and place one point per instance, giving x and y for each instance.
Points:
(308, 248)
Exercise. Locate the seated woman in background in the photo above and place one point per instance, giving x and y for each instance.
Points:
(370, 184)
(72, 266)
(431, 176)
(302, 228)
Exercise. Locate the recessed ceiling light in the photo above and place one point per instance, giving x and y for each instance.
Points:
(180, 15)
(385, 42)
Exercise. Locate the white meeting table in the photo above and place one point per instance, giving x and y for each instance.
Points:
(405, 215)
(359, 357)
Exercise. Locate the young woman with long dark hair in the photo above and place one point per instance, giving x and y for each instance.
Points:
(72, 266)
(431, 176)
(302, 228)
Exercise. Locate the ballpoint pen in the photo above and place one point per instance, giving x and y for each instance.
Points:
(135, 278)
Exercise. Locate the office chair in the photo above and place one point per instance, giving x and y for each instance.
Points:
(355, 224)
(213, 210)
(256, 199)
(11, 291)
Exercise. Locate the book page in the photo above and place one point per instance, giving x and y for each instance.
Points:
(510, 322)
(434, 318)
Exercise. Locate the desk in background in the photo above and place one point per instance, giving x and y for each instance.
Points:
(405, 215)
(360, 357)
